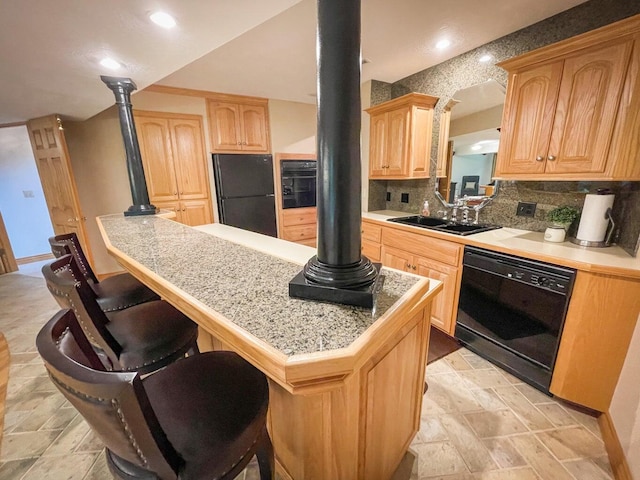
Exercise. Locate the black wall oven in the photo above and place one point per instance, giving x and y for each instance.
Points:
(298, 183)
(512, 310)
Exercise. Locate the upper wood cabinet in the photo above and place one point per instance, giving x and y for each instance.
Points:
(238, 124)
(400, 137)
(565, 104)
(175, 165)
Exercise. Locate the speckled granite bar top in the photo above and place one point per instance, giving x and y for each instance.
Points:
(246, 286)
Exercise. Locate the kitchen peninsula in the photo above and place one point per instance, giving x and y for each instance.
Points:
(346, 383)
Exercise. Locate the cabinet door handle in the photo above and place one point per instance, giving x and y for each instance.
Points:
(408, 265)
(175, 194)
(239, 143)
(551, 158)
(539, 158)
(184, 209)
(413, 267)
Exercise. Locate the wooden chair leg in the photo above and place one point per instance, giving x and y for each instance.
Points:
(266, 461)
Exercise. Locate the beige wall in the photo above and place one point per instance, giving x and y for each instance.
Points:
(99, 165)
(293, 127)
(625, 406)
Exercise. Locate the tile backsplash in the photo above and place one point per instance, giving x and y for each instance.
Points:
(463, 71)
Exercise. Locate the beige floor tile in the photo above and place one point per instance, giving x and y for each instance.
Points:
(488, 399)
(67, 467)
(60, 419)
(497, 423)
(588, 421)
(69, 439)
(557, 415)
(99, 470)
(90, 443)
(533, 395)
(483, 378)
(457, 361)
(473, 451)
(526, 411)
(539, 458)
(504, 453)
(526, 473)
(11, 419)
(25, 445)
(16, 468)
(447, 394)
(41, 415)
(438, 458)
(603, 462)
(476, 361)
(572, 443)
(585, 470)
(31, 400)
(431, 430)
(19, 358)
(439, 366)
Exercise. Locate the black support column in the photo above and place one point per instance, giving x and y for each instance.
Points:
(338, 273)
(122, 88)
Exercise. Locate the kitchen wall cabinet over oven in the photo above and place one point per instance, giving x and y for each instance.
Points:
(565, 103)
(172, 149)
(400, 137)
(238, 124)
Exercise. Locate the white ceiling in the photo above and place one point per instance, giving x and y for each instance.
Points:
(49, 51)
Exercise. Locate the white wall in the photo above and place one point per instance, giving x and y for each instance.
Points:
(625, 406)
(26, 218)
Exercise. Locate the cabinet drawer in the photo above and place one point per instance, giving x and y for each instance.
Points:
(299, 216)
(371, 250)
(441, 250)
(302, 232)
(371, 232)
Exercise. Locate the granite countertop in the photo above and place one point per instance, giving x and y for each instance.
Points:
(245, 281)
(526, 243)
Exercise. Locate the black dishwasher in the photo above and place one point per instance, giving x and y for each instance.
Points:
(512, 310)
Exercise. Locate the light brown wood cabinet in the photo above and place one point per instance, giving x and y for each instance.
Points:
(565, 103)
(400, 137)
(238, 124)
(422, 255)
(172, 149)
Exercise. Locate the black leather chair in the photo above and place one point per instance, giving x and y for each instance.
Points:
(203, 417)
(113, 293)
(141, 338)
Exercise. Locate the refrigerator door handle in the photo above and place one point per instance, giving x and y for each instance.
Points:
(271, 195)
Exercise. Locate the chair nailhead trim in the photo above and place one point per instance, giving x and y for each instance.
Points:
(127, 431)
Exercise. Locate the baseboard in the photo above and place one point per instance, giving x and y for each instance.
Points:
(614, 449)
(34, 258)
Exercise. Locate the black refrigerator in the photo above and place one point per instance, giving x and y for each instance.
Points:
(244, 187)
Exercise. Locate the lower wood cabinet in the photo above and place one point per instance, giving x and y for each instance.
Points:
(189, 212)
(422, 255)
(299, 225)
(444, 308)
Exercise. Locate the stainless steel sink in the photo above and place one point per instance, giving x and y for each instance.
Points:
(440, 225)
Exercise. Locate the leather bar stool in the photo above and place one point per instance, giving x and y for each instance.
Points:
(203, 417)
(113, 293)
(141, 338)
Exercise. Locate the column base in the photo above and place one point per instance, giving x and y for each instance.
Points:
(134, 210)
(364, 296)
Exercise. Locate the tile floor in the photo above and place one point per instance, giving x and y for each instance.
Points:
(478, 422)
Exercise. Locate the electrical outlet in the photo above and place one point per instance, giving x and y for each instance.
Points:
(404, 197)
(526, 209)
(27, 193)
(388, 196)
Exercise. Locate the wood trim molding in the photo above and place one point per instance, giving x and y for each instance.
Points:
(5, 361)
(12, 124)
(410, 99)
(34, 258)
(7, 260)
(617, 458)
(153, 113)
(189, 92)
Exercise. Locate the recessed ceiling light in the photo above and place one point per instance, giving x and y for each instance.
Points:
(110, 63)
(485, 58)
(442, 44)
(163, 19)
